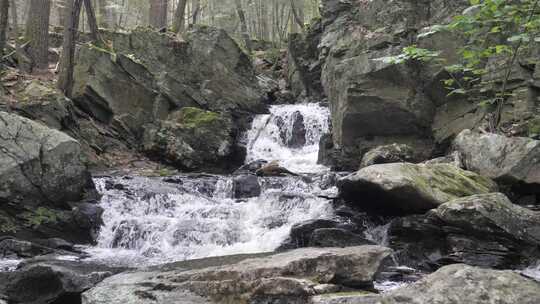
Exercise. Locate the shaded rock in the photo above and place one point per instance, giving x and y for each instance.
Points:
(394, 153)
(404, 188)
(301, 233)
(13, 248)
(289, 277)
(506, 159)
(454, 159)
(251, 167)
(297, 137)
(42, 281)
(335, 237)
(485, 230)
(246, 186)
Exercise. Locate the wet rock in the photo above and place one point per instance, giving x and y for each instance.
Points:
(289, 277)
(451, 284)
(336, 237)
(297, 137)
(246, 186)
(13, 248)
(301, 233)
(394, 153)
(39, 281)
(404, 188)
(485, 230)
(506, 159)
(251, 167)
(274, 169)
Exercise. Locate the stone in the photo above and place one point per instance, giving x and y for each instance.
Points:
(404, 188)
(337, 237)
(191, 139)
(273, 169)
(46, 281)
(301, 233)
(289, 277)
(297, 137)
(44, 182)
(394, 153)
(509, 160)
(485, 230)
(246, 186)
(456, 283)
(251, 167)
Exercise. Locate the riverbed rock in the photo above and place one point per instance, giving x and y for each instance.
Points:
(405, 188)
(273, 169)
(290, 277)
(44, 183)
(46, 281)
(246, 186)
(509, 160)
(451, 284)
(300, 235)
(484, 230)
(394, 153)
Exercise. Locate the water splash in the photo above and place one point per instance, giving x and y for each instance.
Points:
(290, 134)
(150, 221)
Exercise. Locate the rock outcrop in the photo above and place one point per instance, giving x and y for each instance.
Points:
(404, 188)
(485, 230)
(389, 154)
(290, 277)
(509, 160)
(452, 284)
(144, 85)
(45, 187)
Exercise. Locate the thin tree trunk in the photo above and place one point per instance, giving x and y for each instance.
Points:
(103, 14)
(14, 20)
(243, 25)
(37, 32)
(65, 78)
(179, 17)
(92, 22)
(158, 13)
(4, 16)
(298, 16)
(196, 10)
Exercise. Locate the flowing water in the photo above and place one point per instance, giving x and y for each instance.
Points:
(156, 220)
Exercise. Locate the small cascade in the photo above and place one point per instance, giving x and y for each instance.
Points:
(290, 134)
(156, 220)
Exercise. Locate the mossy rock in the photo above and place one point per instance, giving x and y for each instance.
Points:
(190, 117)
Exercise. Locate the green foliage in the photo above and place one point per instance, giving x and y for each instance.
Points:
(410, 53)
(40, 216)
(498, 30)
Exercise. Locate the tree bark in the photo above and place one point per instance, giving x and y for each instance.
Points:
(158, 13)
(179, 17)
(65, 77)
(14, 20)
(4, 15)
(196, 10)
(243, 25)
(37, 32)
(92, 22)
(298, 16)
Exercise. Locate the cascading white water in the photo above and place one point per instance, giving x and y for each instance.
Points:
(272, 137)
(151, 221)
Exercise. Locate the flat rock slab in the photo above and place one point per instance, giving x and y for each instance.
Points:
(294, 276)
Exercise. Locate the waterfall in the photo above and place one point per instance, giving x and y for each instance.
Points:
(156, 220)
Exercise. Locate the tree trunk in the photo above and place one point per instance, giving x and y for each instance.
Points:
(103, 14)
(14, 20)
(196, 10)
(179, 17)
(92, 22)
(158, 13)
(243, 24)
(61, 7)
(37, 32)
(4, 15)
(298, 16)
(65, 77)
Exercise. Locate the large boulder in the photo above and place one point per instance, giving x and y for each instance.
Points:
(404, 188)
(43, 181)
(393, 153)
(290, 277)
(192, 139)
(509, 160)
(47, 281)
(484, 230)
(451, 284)
(147, 77)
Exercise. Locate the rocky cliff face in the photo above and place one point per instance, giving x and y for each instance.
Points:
(377, 102)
